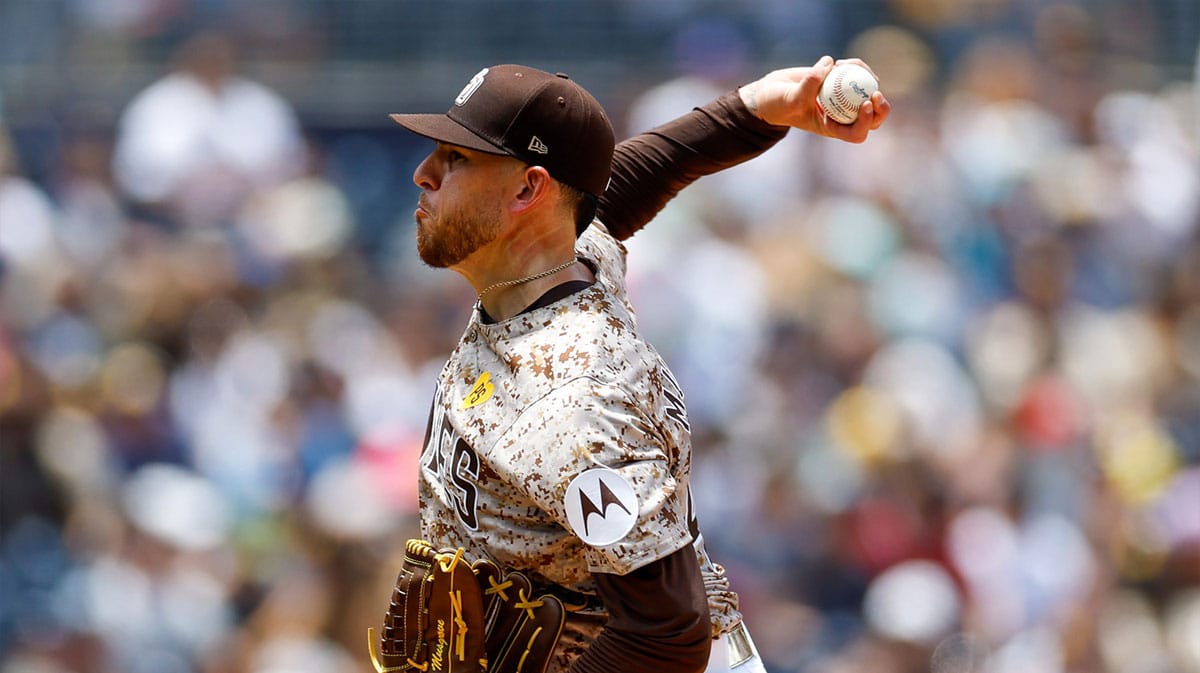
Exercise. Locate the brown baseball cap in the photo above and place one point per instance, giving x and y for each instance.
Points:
(540, 118)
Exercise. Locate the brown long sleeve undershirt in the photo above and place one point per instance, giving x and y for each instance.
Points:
(651, 168)
(658, 619)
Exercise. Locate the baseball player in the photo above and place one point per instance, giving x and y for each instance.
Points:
(558, 442)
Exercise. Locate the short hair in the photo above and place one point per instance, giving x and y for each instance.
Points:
(582, 204)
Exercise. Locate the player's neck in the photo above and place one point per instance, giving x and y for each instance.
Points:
(528, 257)
(505, 299)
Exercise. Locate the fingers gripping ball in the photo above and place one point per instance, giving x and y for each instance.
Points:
(844, 91)
(522, 630)
(434, 623)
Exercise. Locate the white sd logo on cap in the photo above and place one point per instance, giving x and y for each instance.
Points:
(471, 87)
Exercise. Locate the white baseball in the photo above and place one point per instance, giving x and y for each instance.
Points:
(846, 88)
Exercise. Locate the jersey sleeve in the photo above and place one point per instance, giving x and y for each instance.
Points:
(606, 471)
(652, 167)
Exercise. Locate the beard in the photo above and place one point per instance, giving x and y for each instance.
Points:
(447, 238)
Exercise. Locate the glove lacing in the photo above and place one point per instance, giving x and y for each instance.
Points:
(460, 643)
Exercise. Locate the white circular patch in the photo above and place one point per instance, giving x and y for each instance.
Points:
(601, 506)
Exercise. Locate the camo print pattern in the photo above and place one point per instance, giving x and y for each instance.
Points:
(525, 405)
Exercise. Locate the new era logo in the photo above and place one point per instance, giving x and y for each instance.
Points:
(536, 145)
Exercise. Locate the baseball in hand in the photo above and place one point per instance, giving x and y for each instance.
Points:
(846, 88)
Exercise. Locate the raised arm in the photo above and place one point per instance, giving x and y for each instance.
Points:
(652, 167)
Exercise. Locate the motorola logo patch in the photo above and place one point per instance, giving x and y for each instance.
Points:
(601, 506)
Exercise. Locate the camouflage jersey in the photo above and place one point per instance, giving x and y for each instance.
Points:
(559, 445)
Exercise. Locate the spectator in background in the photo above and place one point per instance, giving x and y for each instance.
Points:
(194, 144)
(21, 200)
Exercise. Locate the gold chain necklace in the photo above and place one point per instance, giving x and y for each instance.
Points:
(526, 279)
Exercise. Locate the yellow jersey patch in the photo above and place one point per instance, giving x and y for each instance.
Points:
(480, 392)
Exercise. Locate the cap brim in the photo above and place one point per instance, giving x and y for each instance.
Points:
(444, 129)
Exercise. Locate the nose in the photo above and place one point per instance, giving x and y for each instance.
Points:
(424, 175)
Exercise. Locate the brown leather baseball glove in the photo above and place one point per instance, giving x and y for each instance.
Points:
(449, 616)
(522, 629)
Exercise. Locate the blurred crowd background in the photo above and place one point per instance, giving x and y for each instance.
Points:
(945, 385)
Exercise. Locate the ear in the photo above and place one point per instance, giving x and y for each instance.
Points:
(535, 189)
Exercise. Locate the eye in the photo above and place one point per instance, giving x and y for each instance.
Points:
(454, 156)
